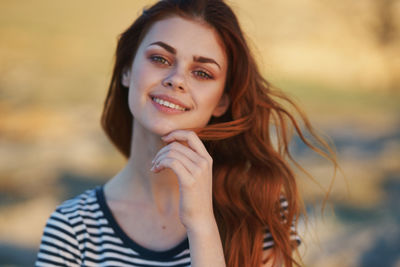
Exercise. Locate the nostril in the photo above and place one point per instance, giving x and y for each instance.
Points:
(172, 84)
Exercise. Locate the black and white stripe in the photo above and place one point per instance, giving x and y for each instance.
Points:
(268, 240)
(83, 232)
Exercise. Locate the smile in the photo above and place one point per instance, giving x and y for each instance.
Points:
(168, 104)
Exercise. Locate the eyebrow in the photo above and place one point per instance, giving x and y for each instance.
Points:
(195, 58)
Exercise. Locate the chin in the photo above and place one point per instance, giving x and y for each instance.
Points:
(162, 130)
(164, 127)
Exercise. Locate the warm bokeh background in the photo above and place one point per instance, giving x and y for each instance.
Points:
(339, 59)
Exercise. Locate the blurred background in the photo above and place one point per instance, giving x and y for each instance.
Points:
(340, 60)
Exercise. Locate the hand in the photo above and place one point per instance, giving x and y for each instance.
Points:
(193, 166)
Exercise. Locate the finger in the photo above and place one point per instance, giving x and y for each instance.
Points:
(188, 152)
(177, 167)
(189, 165)
(191, 138)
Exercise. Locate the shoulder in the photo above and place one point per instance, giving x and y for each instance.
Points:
(60, 240)
(63, 221)
(268, 241)
(80, 202)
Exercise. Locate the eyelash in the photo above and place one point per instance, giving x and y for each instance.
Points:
(161, 60)
(157, 59)
(204, 75)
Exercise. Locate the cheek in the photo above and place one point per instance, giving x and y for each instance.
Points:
(140, 76)
(143, 79)
(211, 96)
(136, 89)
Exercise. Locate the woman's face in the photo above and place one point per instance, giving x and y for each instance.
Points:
(177, 77)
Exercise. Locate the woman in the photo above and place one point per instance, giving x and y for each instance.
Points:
(204, 184)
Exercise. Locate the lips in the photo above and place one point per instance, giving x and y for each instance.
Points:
(170, 102)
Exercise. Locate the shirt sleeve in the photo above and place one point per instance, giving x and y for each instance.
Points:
(268, 241)
(59, 246)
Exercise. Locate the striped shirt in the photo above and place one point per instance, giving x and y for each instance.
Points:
(83, 232)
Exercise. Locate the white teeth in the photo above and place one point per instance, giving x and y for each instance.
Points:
(168, 104)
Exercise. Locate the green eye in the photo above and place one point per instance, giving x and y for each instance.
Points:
(159, 59)
(203, 75)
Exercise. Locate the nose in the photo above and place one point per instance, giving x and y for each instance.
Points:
(175, 80)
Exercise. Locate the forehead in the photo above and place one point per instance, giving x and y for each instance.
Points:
(188, 37)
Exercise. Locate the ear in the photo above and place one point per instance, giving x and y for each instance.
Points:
(222, 106)
(126, 77)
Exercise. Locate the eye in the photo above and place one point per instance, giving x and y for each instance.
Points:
(159, 60)
(203, 75)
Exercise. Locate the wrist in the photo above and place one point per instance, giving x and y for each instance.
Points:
(207, 227)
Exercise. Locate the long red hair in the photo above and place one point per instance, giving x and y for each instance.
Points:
(249, 144)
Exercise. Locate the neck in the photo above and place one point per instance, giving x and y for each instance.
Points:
(136, 183)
